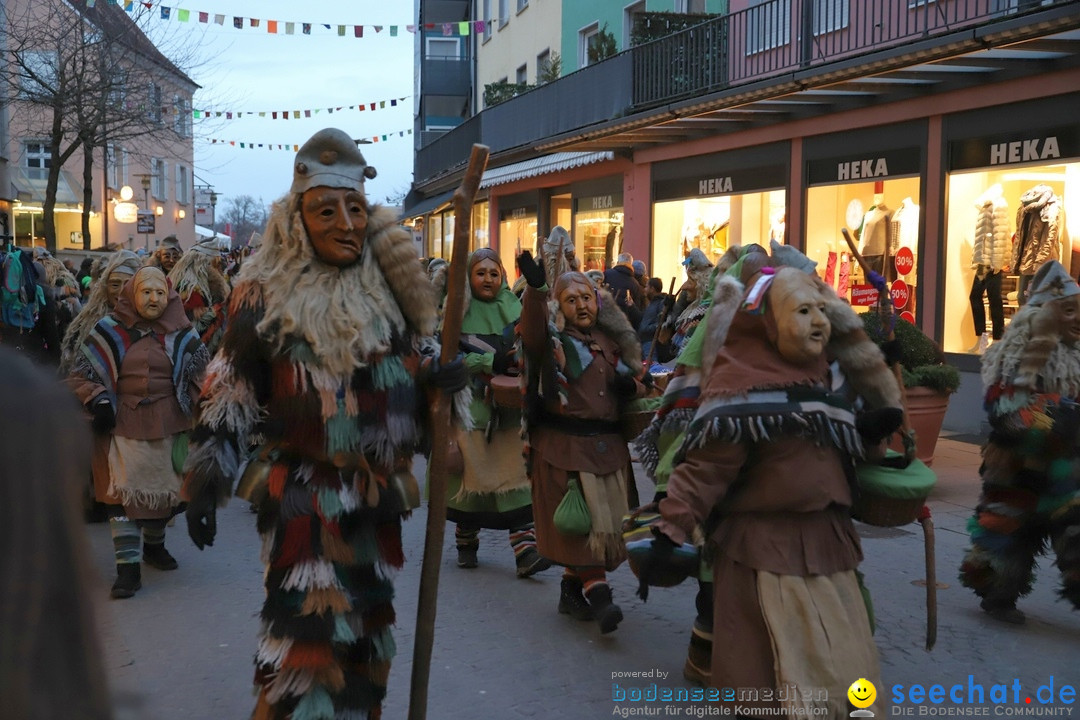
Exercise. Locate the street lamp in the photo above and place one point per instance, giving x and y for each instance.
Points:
(144, 179)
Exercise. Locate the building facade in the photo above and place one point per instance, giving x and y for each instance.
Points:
(94, 107)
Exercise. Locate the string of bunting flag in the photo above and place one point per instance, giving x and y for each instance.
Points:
(289, 27)
(295, 147)
(296, 114)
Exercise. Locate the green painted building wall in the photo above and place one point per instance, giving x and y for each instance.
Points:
(578, 15)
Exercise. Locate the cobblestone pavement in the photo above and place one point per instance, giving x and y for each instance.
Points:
(182, 648)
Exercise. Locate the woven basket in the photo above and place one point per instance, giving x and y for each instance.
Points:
(634, 423)
(506, 391)
(885, 511)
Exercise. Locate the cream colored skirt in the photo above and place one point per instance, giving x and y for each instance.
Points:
(821, 640)
(141, 474)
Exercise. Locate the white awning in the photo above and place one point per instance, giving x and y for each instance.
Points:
(542, 166)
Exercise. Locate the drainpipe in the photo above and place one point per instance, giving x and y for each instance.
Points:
(7, 220)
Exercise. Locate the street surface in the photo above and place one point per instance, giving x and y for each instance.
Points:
(182, 648)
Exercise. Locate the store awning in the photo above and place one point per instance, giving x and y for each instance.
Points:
(426, 205)
(555, 162)
(29, 186)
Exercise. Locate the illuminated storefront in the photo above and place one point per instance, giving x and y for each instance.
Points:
(711, 202)
(598, 223)
(870, 182)
(1014, 190)
(517, 227)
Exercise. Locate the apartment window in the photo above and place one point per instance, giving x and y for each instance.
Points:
(628, 20)
(112, 170)
(487, 19)
(183, 185)
(504, 12)
(768, 25)
(153, 103)
(543, 63)
(182, 118)
(830, 15)
(681, 6)
(586, 39)
(522, 4)
(443, 48)
(38, 74)
(37, 155)
(522, 75)
(158, 187)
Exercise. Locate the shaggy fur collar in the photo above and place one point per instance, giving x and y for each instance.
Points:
(1001, 362)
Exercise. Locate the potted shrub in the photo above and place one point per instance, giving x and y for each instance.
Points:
(928, 380)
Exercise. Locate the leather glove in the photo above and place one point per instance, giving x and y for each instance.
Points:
(625, 386)
(892, 351)
(876, 425)
(104, 418)
(504, 360)
(202, 519)
(533, 272)
(452, 377)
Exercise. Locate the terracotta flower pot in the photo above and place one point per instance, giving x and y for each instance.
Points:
(926, 411)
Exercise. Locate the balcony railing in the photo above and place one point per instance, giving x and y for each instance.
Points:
(446, 76)
(758, 45)
(783, 36)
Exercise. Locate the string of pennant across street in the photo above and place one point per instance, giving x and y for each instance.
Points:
(290, 27)
(296, 114)
(294, 147)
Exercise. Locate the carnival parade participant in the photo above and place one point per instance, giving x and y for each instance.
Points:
(139, 375)
(582, 362)
(1030, 479)
(204, 291)
(118, 269)
(764, 476)
(688, 305)
(167, 255)
(323, 358)
(491, 490)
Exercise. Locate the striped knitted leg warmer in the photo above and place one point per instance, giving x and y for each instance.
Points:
(522, 538)
(466, 536)
(153, 531)
(126, 541)
(591, 577)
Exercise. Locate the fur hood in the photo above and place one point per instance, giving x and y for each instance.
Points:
(612, 322)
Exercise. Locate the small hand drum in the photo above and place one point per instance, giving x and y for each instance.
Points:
(506, 391)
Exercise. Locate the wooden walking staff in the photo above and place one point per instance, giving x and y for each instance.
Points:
(440, 427)
(924, 518)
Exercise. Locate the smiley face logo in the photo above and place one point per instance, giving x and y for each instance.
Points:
(862, 693)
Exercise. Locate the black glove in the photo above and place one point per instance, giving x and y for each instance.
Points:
(876, 425)
(625, 386)
(1066, 416)
(202, 519)
(892, 351)
(104, 418)
(451, 377)
(534, 273)
(504, 360)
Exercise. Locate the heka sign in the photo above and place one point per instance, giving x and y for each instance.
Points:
(862, 169)
(1019, 148)
(1022, 151)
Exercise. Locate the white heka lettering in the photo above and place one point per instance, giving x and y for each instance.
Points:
(861, 169)
(604, 202)
(712, 186)
(1025, 150)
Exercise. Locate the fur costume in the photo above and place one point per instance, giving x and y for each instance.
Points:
(325, 363)
(1030, 470)
(204, 292)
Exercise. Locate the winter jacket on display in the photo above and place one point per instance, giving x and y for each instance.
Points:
(991, 232)
(1038, 226)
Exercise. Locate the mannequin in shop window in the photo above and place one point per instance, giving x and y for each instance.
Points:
(990, 259)
(1039, 220)
(875, 234)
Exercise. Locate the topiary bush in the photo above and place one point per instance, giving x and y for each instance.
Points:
(921, 359)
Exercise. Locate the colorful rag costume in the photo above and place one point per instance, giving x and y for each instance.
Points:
(491, 490)
(204, 290)
(321, 364)
(1030, 478)
(766, 470)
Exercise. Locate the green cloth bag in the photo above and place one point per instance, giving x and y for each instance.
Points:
(572, 515)
(179, 452)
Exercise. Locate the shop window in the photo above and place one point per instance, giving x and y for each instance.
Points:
(994, 215)
(712, 225)
(517, 232)
(883, 218)
(768, 25)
